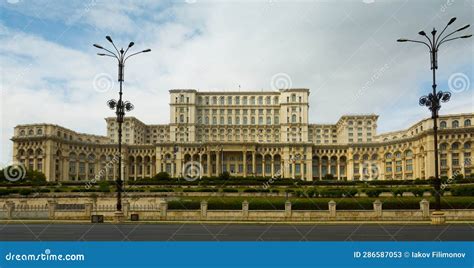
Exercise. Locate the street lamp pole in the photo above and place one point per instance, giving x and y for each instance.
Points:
(434, 99)
(119, 106)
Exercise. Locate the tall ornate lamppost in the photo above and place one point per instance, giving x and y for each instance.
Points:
(120, 108)
(434, 99)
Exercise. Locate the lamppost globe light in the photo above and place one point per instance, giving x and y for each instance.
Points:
(434, 99)
(128, 106)
(112, 104)
(121, 107)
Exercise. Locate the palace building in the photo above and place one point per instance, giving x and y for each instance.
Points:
(265, 134)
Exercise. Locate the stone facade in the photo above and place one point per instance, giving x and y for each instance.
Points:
(248, 134)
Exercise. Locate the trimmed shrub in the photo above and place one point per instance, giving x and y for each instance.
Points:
(134, 190)
(256, 190)
(201, 190)
(161, 190)
(25, 191)
(466, 190)
(162, 176)
(374, 192)
(224, 175)
(104, 187)
(230, 190)
(184, 204)
(331, 192)
(398, 192)
(418, 192)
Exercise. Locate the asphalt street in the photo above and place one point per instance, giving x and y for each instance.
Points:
(234, 232)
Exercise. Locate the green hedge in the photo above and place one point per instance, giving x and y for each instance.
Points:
(161, 190)
(201, 190)
(360, 203)
(466, 190)
(230, 190)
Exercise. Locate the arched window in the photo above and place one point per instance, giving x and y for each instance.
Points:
(467, 122)
(455, 124)
(293, 97)
(408, 153)
(39, 131)
(398, 155)
(455, 146)
(467, 145)
(293, 118)
(388, 155)
(443, 147)
(442, 124)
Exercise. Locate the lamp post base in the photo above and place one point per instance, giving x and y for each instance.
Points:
(119, 217)
(438, 218)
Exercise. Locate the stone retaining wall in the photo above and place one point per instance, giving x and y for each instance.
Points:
(155, 208)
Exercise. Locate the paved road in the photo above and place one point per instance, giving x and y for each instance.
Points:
(236, 232)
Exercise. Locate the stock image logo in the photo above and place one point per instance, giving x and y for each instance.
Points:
(370, 171)
(458, 82)
(14, 172)
(281, 82)
(192, 171)
(103, 82)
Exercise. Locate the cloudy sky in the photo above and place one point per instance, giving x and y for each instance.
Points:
(344, 51)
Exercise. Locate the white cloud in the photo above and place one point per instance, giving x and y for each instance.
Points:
(344, 52)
